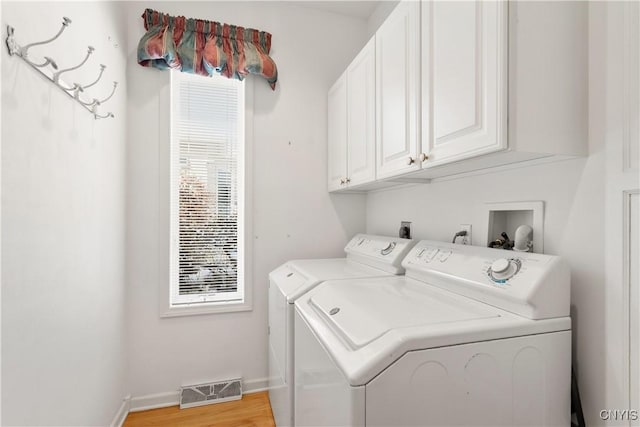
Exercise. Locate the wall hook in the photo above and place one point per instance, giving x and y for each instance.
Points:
(102, 68)
(56, 76)
(48, 61)
(15, 49)
(80, 88)
(76, 91)
(113, 90)
(98, 116)
(91, 105)
(65, 23)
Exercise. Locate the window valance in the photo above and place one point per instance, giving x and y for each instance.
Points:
(205, 47)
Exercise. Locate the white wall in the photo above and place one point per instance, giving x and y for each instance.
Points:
(379, 14)
(293, 215)
(615, 93)
(63, 223)
(578, 223)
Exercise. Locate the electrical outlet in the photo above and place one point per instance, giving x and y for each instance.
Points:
(405, 230)
(466, 240)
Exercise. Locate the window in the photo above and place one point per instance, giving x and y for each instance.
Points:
(207, 200)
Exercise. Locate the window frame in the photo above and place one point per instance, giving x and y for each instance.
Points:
(245, 230)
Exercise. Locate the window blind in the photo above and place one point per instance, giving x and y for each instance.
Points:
(206, 190)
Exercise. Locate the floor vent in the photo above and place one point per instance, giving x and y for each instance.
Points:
(205, 394)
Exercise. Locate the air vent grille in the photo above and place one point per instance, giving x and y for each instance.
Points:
(205, 394)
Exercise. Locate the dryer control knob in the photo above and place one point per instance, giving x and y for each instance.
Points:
(500, 265)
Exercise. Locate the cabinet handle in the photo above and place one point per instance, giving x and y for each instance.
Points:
(348, 180)
(423, 157)
(410, 161)
(342, 181)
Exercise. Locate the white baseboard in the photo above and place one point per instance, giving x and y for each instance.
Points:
(172, 398)
(154, 401)
(121, 415)
(254, 386)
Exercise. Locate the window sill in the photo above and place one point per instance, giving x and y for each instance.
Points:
(200, 309)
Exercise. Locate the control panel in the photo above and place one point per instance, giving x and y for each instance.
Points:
(378, 250)
(534, 285)
(376, 246)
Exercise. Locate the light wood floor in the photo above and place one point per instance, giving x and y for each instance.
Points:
(253, 410)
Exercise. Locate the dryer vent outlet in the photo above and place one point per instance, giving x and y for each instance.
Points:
(205, 394)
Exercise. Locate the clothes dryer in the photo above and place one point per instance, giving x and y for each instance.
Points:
(366, 256)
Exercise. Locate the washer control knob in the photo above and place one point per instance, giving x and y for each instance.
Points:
(500, 265)
(504, 269)
(388, 249)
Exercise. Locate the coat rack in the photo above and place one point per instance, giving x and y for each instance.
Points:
(49, 68)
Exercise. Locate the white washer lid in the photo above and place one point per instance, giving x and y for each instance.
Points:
(335, 268)
(397, 314)
(365, 310)
(294, 278)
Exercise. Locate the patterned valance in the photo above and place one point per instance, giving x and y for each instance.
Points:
(205, 47)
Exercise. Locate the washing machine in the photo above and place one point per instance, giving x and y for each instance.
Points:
(366, 256)
(468, 336)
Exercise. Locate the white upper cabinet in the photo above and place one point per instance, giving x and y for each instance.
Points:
(361, 125)
(397, 92)
(502, 83)
(462, 87)
(351, 121)
(464, 79)
(337, 134)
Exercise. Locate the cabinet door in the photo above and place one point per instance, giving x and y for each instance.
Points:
(361, 86)
(397, 87)
(337, 134)
(464, 77)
